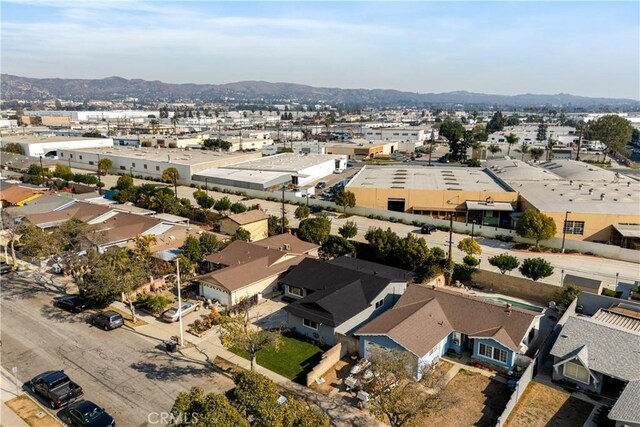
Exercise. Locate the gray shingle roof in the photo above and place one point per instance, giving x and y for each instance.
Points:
(627, 408)
(611, 350)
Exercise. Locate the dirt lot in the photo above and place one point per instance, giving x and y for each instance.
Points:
(541, 405)
(333, 378)
(470, 399)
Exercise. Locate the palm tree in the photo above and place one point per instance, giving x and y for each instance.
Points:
(512, 138)
(172, 175)
(524, 149)
(549, 148)
(142, 248)
(493, 149)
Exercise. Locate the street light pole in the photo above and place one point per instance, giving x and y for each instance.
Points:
(564, 229)
(473, 225)
(206, 186)
(450, 235)
(180, 343)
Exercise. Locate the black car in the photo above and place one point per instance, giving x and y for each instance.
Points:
(321, 185)
(5, 268)
(73, 303)
(427, 229)
(444, 159)
(87, 413)
(108, 320)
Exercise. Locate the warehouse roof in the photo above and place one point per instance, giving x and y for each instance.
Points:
(243, 175)
(424, 178)
(286, 162)
(35, 139)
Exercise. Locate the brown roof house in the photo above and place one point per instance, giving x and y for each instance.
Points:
(428, 322)
(254, 221)
(290, 243)
(242, 270)
(17, 195)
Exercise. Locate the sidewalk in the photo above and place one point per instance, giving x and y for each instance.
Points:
(205, 349)
(9, 390)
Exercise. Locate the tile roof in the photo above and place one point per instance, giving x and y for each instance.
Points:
(338, 293)
(424, 316)
(278, 241)
(15, 194)
(600, 339)
(627, 407)
(248, 217)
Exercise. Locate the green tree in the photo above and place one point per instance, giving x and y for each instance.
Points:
(209, 243)
(100, 286)
(171, 175)
(536, 268)
(104, 166)
(469, 246)
(239, 333)
(349, 230)
(315, 230)
(71, 235)
(125, 182)
(257, 397)
(13, 147)
(223, 204)
(383, 242)
(142, 249)
(512, 121)
(452, 131)
(613, 131)
(336, 246)
(345, 199)
(194, 408)
(302, 212)
(497, 122)
(504, 262)
(493, 149)
(203, 200)
(524, 149)
(242, 234)
(63, 172)
(536, 153)
(535, 225)
(237, 208)
(569, 294)
(512, 139)
(191, 249)
(411, 252)
(298, 413)
(35, 242)
(274, 224)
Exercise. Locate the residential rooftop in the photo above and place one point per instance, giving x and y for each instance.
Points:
(425, 178)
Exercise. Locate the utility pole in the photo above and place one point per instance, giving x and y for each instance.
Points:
(181, 342)
(579, 142)
(282, 227)
(450, 236)
(431, 146)
(41, 171)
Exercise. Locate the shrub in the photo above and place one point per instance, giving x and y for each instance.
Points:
(536, 268)
(462, 272)
(443, 227)
(152, 303)
(504, 238)
(609, 293)
(471, 261)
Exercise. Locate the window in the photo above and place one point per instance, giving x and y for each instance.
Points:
(456, 338)
(91, 162)
(61, 154)
(80, 157)
(145, 166)
(71, 156)
(133, 165)
(157, 168)
(576, 372)
(310, 324)
(379, 303)
(294, 290)
(122, 168)
(492, 353)
(574, 227)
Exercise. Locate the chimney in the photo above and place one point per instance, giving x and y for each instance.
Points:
(570, 182)
(580, 187)
(602, 196)
(628, 183)
(590, 191)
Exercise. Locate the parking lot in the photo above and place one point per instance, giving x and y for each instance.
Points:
(126, 371)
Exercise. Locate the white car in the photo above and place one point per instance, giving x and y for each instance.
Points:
(173, 313)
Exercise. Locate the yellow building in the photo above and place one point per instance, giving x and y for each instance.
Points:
(468, 193)
(254, 221)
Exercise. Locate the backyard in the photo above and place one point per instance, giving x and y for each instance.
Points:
(293, 359)
(541, 405)
(470, 399)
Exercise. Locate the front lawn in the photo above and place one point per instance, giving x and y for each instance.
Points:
(293, 359)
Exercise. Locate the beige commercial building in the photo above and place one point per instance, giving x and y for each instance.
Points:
(598, 205)
(362, 149)
(468, 193)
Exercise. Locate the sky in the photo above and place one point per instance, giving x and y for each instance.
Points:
(583, 48)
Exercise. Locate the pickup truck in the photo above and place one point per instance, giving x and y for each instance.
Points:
(56, 388)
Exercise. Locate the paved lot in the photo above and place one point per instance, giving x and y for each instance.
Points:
(123, 370)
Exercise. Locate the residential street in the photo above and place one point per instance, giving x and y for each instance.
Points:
(121, 370)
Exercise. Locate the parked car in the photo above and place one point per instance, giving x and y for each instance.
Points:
(108, 320)
(173, 313)
(338, 170)
(321, 185)
(86, 413)
(5, 268)
(444, 159)
(72, 303)
(56, 388)
(427, 229)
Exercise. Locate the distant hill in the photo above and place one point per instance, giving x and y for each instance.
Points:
(116, 88)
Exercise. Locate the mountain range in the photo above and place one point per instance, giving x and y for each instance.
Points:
(260, 92)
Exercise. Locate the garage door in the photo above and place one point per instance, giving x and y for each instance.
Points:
(210, 292)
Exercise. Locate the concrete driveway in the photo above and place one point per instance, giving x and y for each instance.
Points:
(269, 314)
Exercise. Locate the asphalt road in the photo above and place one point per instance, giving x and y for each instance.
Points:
(122, 370)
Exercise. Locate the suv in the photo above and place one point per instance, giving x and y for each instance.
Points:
(427, 229)
(87, 413)
(108, 320)
(73, 303)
